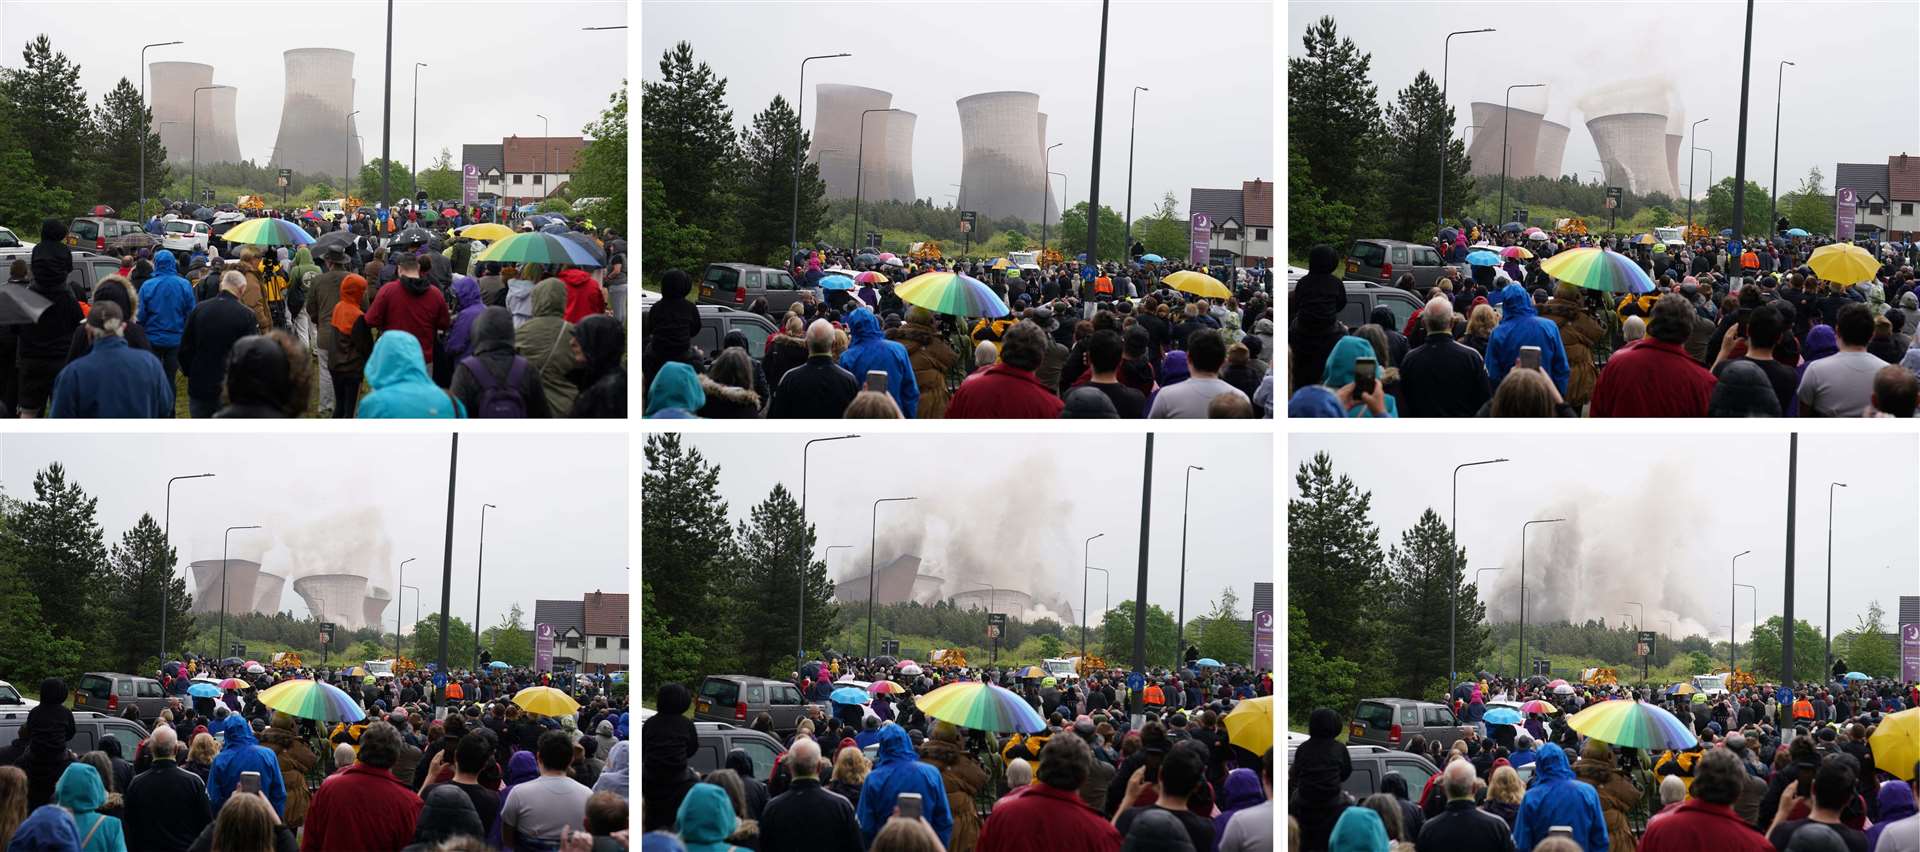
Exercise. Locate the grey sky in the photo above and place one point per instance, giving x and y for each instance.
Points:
(1848, 55)
(1653, 518)
(340, 501)
(492, 65)
(1016, 509)
(1208, 121)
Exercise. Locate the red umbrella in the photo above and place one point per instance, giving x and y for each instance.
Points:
(101, 210)
(449, 212)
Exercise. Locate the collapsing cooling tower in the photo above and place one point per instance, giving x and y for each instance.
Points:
(898, 157)
(335, 597)
(374, 607)
(315, 132)
(1000, 170)
(1522, 140)
(267, 589)
(1553, 148)
(170, 90)
(1633, 149)
(240, 585)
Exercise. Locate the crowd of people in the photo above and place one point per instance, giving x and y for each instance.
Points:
(1782, 343)
(1773, 768)
(1088, 780)
(1119, 343)
(366, 322)
(230, 774)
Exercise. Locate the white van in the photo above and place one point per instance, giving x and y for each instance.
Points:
(186, 235)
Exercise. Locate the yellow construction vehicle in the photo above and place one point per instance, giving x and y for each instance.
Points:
(1602, 676)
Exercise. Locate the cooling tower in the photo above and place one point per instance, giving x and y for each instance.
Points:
(1553, 148)
(1000, 171)
(315, 134)
(1675, 142)
(898, 179)
(1633, 149)
(335, 597)
(240, 585)
(170, 90)
(267, 589)
(1522, 139)
(1011, 601)
(374, 607)
(836, 136)
(1053, 209)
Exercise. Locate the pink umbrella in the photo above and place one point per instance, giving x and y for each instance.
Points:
(1516, 251)
(1557, 682)
(886, 256)
(903, 663)
(870, 277)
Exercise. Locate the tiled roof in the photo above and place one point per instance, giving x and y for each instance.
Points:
(486, 157)
(1219, 204)
(606, 613)
(1903, 178)
(560, 614)
(1864, 178)
(526, 154)
(1257, 199)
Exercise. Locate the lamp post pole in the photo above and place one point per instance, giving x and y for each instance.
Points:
(1828, 671)
(193, 178)
(1131, 118)
(220, 652)
(800, 643)
(1446, 48)
(859, 172)
(800, 121)
(414, 165)
(1522, 661)
(1773, 204)
(1086, 563)
(1046, 192)
(480, 568)
(873, 538)
(1693, 135)
(1180, 623)
(166, 590)
(400, 582)
(1453, 557)
(1709, 152)
(1506, 113)
(546, 157)
(146, 116)
(1733, 649)
(399, 601)
(1106, 595)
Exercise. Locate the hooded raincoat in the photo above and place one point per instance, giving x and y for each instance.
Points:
(81, 791)
(546, 341)
(492, 344)
(165, 301)
(613, 779)
(1242, 791)
(1557, 798)
(706, 819)
(584, 296)
(401, 386)
(467, 307)
(1520, 325)
(243, 753)
(871, 350)
(603, 379)
(1339, 372)
(897, 769)
(675, 393)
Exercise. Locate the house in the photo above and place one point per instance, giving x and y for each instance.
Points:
(486, 160)
(535, 167)
(590, 634)
(1242, 222)
(568, 620)
(1886, 196)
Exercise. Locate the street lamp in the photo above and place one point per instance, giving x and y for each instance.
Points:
(1446, 48)
(480, 567)
(1180, 622)
(414, 166)
(399, 601)
(546, 157)
(143, 196)
(1506, 113)
(1106, 596)
(1046, 193)
(1130, 126)
(597, 29)
(800, 643)
(1829, 669)
(1693, 135)
(224, 538)
(793, 225)
(346, 158)
(166, 590)
(399, 581)
(1733, 570)
(1453, 556)
(1773, 204)
(873, 539)
(1754, 617)
(859, 169)
(1709, 168)
(1521, 667)
(1086, 562)
(194, 170)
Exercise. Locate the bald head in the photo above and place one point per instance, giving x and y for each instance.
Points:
(804, 757)
(165, 740)
(1459, 780)
(820, 338)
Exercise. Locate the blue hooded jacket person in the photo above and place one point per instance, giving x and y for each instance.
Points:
(112, 379)
(706, 819)
(1557, 798)
(401, 387)
(1339, 372)
(81, 791)
(675, 394)
(1520, 325)
(243, 753)
(871, 350)
(165, 301)
(897, 769)
(1359, 830)
(49, 828)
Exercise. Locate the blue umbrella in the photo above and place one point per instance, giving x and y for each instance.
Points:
(1208, 662)
(1857, 676)
(554, 228)
(203, 690)
(1153, 258)
(1447, 234)
(1726, 232)
(1503, 716)
(496, 664)
(1796, 232)
(836, 282)
(850, 695)
(1483, 258)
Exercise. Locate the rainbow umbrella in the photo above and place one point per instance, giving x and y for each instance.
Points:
(951, 293)
(546, 249)
(1200, 284)
(869, 277)
(1030, 672)
(486, 231)
(1598, 269)
(981, 707)
(1681, 689)
(357, 671)
(546, 701)
(1250, 724)
(268, 232)
(885, 687)
(1646, 240)
(836, 282)
(1843, 263)
(311, 699)
(1633, 724)
(1516, 251)
(1538, 706)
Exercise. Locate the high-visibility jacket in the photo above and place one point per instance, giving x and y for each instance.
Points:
(1153, 695)
(1803, 709)
(1103, 285)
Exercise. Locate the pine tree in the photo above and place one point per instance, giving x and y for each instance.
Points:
(510, 640)
(1164, 231)
(118, 124)
(140, 570)
(442, 180)
(1332, 111)
(687, 136)
(1221, 635)
(1333, 557)
(1420, 582)
(771, 556)
(684, 531)
(603, 165)
(48, 653)
(48, 111)
(1418, 122)
(56, 544)
(765, 203)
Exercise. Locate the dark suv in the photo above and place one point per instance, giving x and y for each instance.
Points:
(112, 692)
(1372, 764)
(737, 699)
(1384, 260)
(90, 729)
(1392, 722)
(1364, 296)
(718, 738)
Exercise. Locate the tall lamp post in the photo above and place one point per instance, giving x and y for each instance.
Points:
(220, 652)
(400, 582)
(1754, 619)
(1446, 48)
(1106, 593)
(1130, 127)
(193, 177)
(1180, 623)
(793, 225)
(1733, 648)
(800, 643)
(1086, 563)
(1506, 113)
(1522, 661)
(1693, 135)
(859, 171)
(346, 158)
(480, 567)
(1788, 627)
(1709, 153)
(873, 538)
(166, 591)
(414, 166)
(399, 601)
(143, 194)
(1046, 192)
(546, 157)
(1453, 553)
(1773, 204)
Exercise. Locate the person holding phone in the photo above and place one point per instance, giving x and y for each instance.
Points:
(243, 753)
(1521, 325)
(897, 769)
(871, 350)
(1353, 372)
(1825, 794)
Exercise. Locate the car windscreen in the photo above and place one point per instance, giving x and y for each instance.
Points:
(8, 240)
(94, 685)
(1374, 714)
(9, 695)
(1369, 254)
(85, 229)
(179, 227)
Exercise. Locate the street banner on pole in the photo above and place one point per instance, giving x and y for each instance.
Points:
(1263, 640)
(543, 647)
(1199, 239)
(469, 184)
(1910, 652)
(1844, 206)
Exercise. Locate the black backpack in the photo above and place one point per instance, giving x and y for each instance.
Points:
(499, 398)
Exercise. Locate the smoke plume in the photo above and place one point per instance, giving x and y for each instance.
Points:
(1655, 95)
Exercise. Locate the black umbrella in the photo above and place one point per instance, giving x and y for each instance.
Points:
(413, 236)
(587, 243)
(204, 214)
(1537, 680)
(1512, 228)
(21, 306)
(554, 228)
(343, 239)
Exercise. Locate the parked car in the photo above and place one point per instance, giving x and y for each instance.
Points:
(1392, 722)
(580, 204)
(739, 284)
(11, 699)
(1384, 260)
(738, 699)
(90, 729)
(1372, 763)
(187, 235)
(97, 230)
(89, 269)
(111, 692)
(718, 738)
(8, 240)
(1364, 296)
(716, 321)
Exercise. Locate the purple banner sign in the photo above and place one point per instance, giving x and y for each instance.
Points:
(469, 184)
(1263, 640)
(1845, 204)
(1910, 652)
(543, 647)
(1199, 239)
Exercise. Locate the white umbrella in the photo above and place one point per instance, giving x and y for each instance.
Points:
(1563, 689)
(910, 669)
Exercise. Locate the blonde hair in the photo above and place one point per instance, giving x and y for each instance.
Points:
(1506, 786)
(907, 835)
(851, 767)
(873, 405)
(1482, 320)
(1524, 393)
(840, 341)
(203, 749)
(245, 824)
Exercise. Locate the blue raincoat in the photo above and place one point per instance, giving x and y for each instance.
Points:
(675, 394)
(1339, 371)
(244, 753)
(165, 301)
(1520, 325)
(81, 791)
(706, 819)
(1557, 798)
(897, 769)
(871, 350)
(401, 387)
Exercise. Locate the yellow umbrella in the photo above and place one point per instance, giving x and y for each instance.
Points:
(1896, 743)
(546, 701)
(1200, 284)
(1843, 263)
(489, 231)
(1250, 725)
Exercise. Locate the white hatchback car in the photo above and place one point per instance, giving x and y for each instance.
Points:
(11, 699)
(186, 235)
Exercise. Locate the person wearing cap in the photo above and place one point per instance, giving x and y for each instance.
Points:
(113, 379)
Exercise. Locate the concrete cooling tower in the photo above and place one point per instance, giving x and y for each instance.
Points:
(1553, 149)
(267, 590)
(1522, 140)
(1633, 149)
(991, 600)
(1675, 142)
(1053, 208)
(315, 134)
(1000, 170)
(897, 183)
(170, 90)
(374, 607)
(241, 584)
(836, 135)
(339, 598)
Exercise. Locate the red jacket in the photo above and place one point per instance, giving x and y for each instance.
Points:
(1652, 379)
(1041, 817)
(584, 296)
(419, 314)
(360, 808)
(1696, 824)
(1001, 392)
